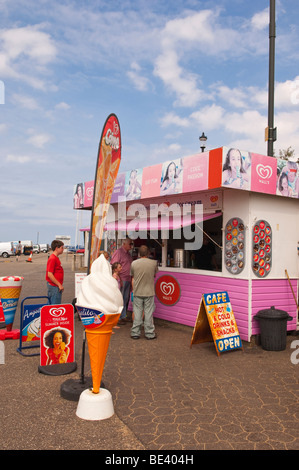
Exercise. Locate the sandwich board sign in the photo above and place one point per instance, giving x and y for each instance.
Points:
(216, 322)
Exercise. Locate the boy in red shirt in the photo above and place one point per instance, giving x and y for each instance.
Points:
(55, 273)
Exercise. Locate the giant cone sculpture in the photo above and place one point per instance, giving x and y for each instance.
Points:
(99, 304)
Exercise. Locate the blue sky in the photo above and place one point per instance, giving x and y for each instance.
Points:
(169, 70)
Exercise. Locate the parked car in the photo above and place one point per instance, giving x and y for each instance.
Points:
(7, 249)
(80, 250)
(36, 249)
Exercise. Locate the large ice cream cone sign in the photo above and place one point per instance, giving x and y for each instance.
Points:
(108, 161)
(10, 289)
(99, 304)
(98, 340)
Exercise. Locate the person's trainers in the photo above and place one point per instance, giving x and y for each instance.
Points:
(151, 337)
(121, 322)
(135, 337)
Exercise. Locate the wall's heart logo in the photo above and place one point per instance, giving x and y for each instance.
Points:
(167, 288)
(89, 192)
(264, 171)
(57, 312)
(214, 198)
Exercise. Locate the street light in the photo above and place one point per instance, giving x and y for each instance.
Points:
(203, 138)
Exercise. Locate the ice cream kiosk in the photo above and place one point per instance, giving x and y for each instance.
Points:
(242, 207)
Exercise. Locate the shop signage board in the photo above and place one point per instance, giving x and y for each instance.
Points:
(78, 281)
(57, 334)
(219, 168)
(216, 322)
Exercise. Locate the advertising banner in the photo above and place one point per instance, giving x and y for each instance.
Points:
(31, 322)
(118, 194)
(151, 181)
(57, 334)
(263, 174)
(109, 156)
(88, 193)
(195, 176)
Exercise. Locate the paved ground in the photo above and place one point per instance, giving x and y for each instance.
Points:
(166, 395)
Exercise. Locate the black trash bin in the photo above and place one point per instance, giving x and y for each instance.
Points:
(273, 328)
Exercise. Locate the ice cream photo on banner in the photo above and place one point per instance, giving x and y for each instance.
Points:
(99, 304)
(236, 171)
(33, 330)
(56, 341)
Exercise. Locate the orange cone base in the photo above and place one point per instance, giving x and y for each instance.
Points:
(98, 340)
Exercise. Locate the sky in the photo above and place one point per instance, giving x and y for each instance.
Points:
(169, 70)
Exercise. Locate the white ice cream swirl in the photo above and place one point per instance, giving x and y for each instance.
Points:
(99, 290)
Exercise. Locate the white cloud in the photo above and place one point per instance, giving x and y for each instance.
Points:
(183, 84)
(62, 105)
(26, 51)
(140, 82)
(28, 41)
(209, 117)
(287, 93)
(25, 101)
(39, 140)
(172, 118)
(18, 158)
(260, 20)
(236, 97)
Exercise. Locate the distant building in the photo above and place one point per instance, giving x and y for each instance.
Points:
(66, 239)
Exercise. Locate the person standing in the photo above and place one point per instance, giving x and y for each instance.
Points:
(18, 250)
(122, 256)
(55, 273)
(143, 271)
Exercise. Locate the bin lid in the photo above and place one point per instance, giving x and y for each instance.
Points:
(273, 313)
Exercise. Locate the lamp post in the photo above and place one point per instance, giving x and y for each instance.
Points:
(203, 138)
(271, 130)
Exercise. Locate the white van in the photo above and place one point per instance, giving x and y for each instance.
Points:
(6, 249)
(44, 247)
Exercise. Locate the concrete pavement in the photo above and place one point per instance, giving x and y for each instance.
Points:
(166, 395)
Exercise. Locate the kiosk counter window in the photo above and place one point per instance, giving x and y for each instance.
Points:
(194, 243)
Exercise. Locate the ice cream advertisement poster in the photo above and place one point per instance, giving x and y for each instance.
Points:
(57, 334)
(31, 323)
(108, 161)
(222, 321)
